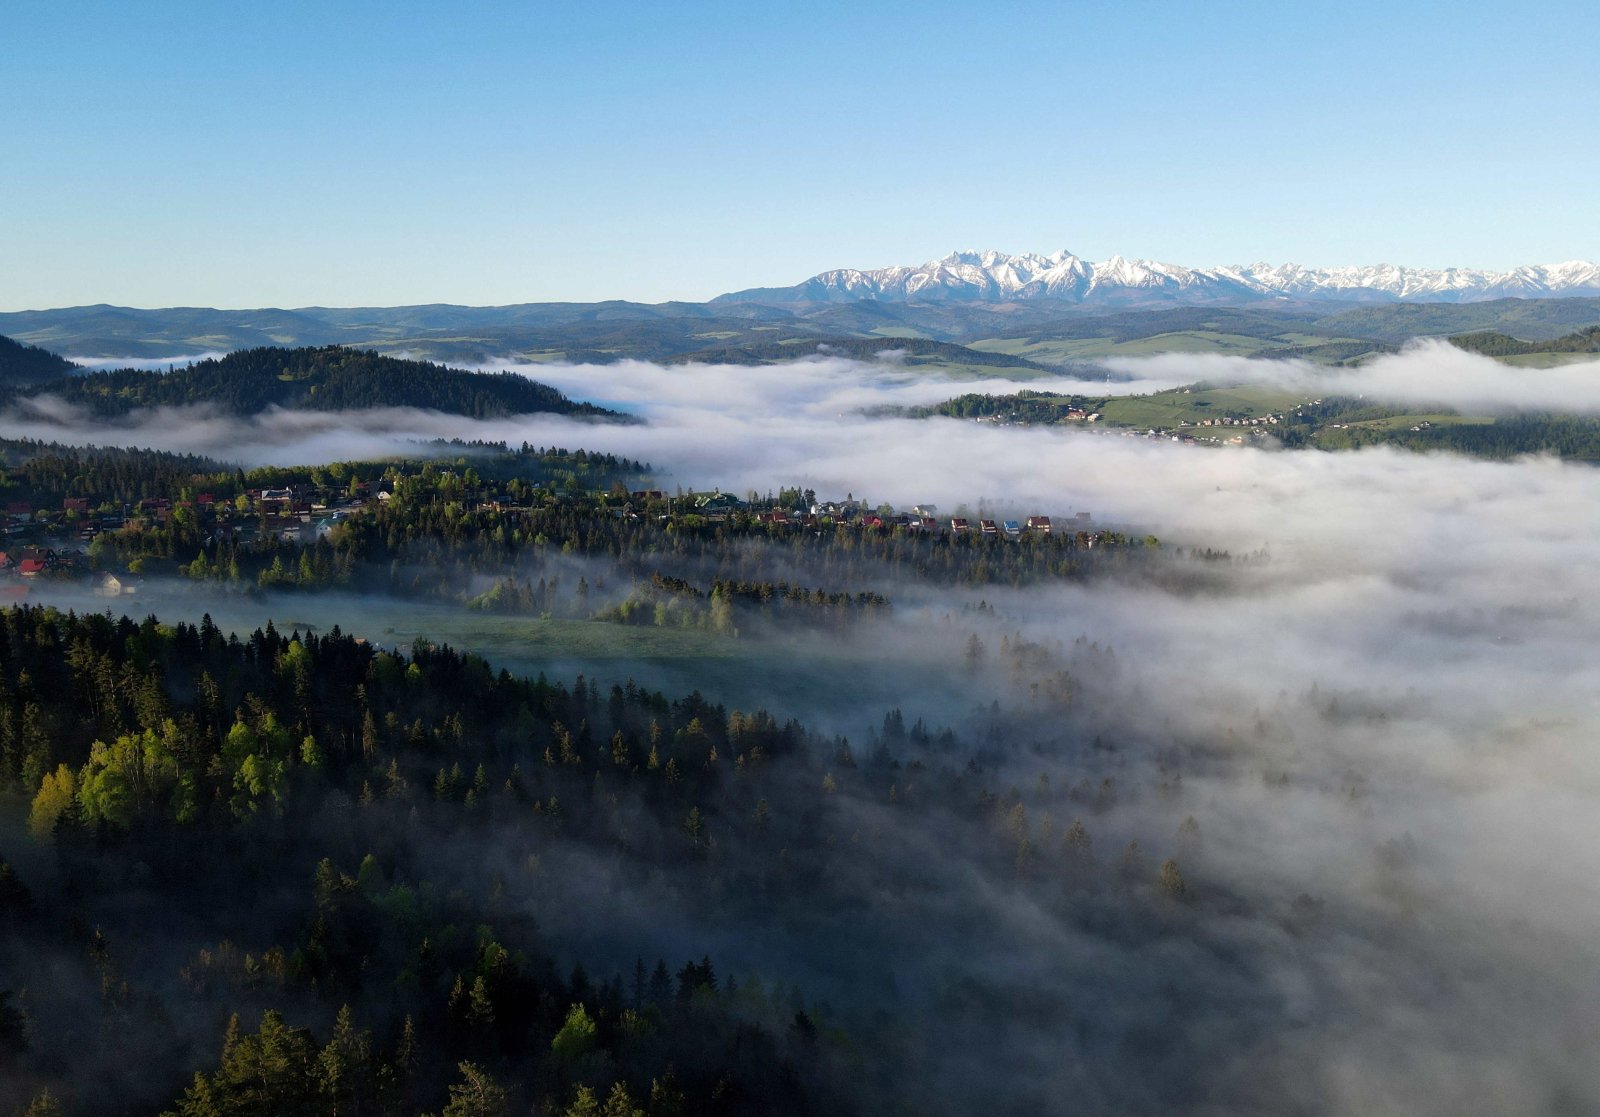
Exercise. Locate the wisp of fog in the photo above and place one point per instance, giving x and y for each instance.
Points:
(1385, 702)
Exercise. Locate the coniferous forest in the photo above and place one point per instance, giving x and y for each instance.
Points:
(535, 583)
(514, 778)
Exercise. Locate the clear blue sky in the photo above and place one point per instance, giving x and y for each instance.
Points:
(294, 153)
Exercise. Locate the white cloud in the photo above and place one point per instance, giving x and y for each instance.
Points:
(1426, 372)
(1448, 604)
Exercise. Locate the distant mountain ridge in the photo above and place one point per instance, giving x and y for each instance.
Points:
(1050, 331)
(1000, 278)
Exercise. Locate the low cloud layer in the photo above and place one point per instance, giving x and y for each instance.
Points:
(1384, 704)
(1427, 372)
(181, 360)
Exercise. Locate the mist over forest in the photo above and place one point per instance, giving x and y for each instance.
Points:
(539, 782)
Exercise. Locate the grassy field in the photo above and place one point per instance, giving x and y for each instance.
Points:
(1090, 348)
(1365, 431)
(831, 683)
(1169, 409)
(1548, 360)
(1181, 341)
(1405, 422)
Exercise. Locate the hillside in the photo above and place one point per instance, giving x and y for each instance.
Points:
(1046, 331)
(1492, 343)
(1240, 331)
(28, 364)
(1531, 319)
(330, 378)
(908, 350)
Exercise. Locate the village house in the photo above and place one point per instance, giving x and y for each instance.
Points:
(35, 559)
(275, 499)
(109, 585)
(1040, 524)
(719, 502)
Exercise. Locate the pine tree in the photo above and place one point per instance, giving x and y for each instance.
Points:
(1078, 847)
(584, 1104)
(1170, 880)
(620, 1104)
(577, 1037)
(344, 1067)
(44, 1104)
(480, 1010)
(476, 1095)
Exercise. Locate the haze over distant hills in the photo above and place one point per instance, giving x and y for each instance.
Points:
(1000, 277)
(1055, 310)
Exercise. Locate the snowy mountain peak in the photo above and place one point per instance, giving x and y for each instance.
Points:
(993, 276)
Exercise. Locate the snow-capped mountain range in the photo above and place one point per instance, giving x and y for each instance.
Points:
(1000, 277)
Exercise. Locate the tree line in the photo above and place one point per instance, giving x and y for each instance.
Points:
(325, 378)
(247, 835)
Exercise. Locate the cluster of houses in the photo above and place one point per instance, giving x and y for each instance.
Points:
(1186, 431)
(1238, 421)
(1211, 429)
(22, 518)
(30, 562)
(41, 538)
(21, 566)
(925, 521)
(301, 512)
(288, 512)
(921, 518)
(1020, 419)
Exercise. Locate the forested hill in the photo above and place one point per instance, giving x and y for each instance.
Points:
(1495, 344)
(28, 364)
(329, 378)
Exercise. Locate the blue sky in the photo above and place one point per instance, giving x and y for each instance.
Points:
(290, 154)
